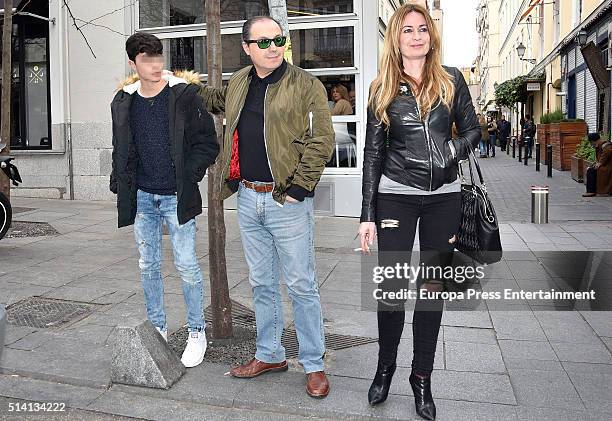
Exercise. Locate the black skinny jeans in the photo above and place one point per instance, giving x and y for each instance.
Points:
(439, 217)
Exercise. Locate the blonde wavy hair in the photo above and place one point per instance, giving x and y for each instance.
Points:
(436, 84)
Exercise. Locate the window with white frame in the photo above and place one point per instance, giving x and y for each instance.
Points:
(322, 42)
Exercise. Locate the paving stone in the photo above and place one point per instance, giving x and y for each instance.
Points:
(45, 391)
(480, 319)
(533, 364)
(474, 357)
(608, 342)
(594, 384)
(547, 389)
(519, 325)
(582, 353)
(464, 386)
(528, 413)
(340, 404)
(600, 321)
(468, 334)
(527, 350)
(566, 326)
(65, 360)
(453, 410)
(141, 357)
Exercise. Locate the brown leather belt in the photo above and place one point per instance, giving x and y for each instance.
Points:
(258, 187)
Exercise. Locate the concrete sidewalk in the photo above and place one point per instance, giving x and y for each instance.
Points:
(510, 365)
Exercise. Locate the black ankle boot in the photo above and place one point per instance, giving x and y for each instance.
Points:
(423, 400)
(382, 382)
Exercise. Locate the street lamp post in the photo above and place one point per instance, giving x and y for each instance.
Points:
(520, 50)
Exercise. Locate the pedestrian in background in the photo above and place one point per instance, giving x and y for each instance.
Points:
(529, 130)
(484, 139)
(503, 128)
(492, 129)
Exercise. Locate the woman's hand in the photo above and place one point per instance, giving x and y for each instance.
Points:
(367, 234)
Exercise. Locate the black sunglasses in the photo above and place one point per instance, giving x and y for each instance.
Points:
(266, 42)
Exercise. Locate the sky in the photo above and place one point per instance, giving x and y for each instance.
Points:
(460, 37)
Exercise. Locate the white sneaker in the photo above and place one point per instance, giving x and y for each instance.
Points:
(195, 350)
(163, 333)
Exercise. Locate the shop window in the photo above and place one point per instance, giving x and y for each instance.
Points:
(318, 7)
(157, 13)
(312, 49)
(345, 124)
(323, 47)
(30, 101)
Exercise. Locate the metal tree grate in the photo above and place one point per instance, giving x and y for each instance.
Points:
(47, 312)
(333, 341)
(244, 316)
(241, 315)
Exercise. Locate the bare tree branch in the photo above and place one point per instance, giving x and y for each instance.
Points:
(89, 22)
(77, 27)
(99, 26)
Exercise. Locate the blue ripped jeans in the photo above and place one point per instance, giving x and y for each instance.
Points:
(152, 211)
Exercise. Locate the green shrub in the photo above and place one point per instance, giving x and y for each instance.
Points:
(545, 119)
(585, 150)
(556, 116)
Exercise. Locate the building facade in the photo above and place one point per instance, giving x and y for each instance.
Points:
(552, 62)
(65, 79)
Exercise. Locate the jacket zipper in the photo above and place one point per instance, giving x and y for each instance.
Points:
(427, 140)
(264, 134)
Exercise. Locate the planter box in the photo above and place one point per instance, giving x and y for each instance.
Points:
(578, 169)
(543, 133)
(564, 137)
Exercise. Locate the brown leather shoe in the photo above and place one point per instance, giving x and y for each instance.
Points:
(255, 367)
(317, 384)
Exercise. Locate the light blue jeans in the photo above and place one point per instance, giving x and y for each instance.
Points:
(152, 210)
(279, 238)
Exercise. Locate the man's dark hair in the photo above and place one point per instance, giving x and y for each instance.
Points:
(143, 43)
(527, 117)
(246, 28)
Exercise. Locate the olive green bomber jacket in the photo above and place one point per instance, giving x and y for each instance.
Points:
(299, 135)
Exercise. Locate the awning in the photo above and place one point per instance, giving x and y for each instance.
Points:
(533, 4)
(536, 77)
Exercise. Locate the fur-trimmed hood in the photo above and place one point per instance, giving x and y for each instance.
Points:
(132, 83)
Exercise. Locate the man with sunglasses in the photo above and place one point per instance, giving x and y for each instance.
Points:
(279, 137)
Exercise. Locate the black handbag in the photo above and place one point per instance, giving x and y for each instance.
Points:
(478, 235)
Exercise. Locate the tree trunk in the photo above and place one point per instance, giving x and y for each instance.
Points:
(278, 10)
(219, 290)
(5, 129)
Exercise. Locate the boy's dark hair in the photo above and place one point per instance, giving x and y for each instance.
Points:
(143, 43)
(246, 28)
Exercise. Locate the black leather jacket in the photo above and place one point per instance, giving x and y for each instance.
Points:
(418, 153)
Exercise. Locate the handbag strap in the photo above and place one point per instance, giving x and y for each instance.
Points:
(478, 170)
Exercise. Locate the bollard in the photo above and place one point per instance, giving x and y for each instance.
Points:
(2, 328)
(520, 148)
(549, 160)
(537, 146)
(508, 147)
(514, 147)
(539, 204)
(526, 156)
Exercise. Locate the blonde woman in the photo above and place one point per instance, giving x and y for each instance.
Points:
(410, 176)
(342, 103)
